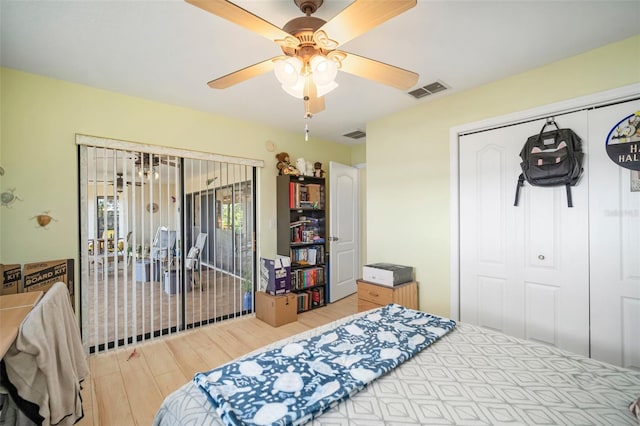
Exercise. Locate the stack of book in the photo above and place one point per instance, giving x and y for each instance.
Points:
(310, 299)
(305, 278)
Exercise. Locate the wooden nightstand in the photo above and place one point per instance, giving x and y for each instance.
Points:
(371, 296)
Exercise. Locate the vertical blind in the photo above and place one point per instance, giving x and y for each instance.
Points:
(167, 240)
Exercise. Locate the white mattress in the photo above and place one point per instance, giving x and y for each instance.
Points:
(472, 376)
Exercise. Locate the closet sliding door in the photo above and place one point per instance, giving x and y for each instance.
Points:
(614, 242)
(523, 270)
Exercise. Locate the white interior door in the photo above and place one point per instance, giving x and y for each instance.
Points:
(344, 233)
(615, 245)
(523, 270)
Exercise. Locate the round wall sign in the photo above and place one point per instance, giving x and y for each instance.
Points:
(623, 142)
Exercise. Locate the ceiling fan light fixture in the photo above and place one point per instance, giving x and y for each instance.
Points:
(296, 90)
(288, 71)
(324, 70)
(148, 173)
(323, 89)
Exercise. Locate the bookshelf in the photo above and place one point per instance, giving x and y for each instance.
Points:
(301, 235)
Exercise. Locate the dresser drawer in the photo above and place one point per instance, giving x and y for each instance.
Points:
(374, 293)
(364, 305)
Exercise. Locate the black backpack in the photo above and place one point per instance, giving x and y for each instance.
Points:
(551, 158)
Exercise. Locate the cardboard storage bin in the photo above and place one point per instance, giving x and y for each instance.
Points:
(276, 310)
(275, 275)
(41, 276)
(11, 275)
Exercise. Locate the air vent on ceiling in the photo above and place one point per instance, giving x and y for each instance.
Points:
(356, 134)
(427, 90)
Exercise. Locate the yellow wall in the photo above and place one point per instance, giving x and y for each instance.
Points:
(359, 154)
(407, 158)
(40, 117)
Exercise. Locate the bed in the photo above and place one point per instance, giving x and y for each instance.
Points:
(469, 375)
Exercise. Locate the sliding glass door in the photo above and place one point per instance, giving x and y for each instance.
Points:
(167, 241)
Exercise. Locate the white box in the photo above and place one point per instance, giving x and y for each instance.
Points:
(387, 274)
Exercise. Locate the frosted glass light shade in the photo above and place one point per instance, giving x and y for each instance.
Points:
(288, 71)
(296, 90)
(324, 70)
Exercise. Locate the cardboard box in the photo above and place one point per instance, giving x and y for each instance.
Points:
(10, 278)
(276, 310)
(387, 274)
(275, 275)
(41, 276)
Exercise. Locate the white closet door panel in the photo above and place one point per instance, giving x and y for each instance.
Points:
(488, 245)
(615, 247)
(542, 312)
(523, 270)
(556, 266)
(490, 295)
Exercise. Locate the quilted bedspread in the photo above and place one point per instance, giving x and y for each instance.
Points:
(294, 383)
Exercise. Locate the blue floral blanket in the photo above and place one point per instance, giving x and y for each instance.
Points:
(301, 380)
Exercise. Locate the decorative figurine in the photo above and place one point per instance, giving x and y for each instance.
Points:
(284, 166)
(301, 165)
(317, 169)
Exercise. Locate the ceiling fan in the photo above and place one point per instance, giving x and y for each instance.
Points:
(147, 165)
(311, 56)
(120, 183)
(142, 159)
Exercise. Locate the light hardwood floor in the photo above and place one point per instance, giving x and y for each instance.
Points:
(128, 390)
(151, 308)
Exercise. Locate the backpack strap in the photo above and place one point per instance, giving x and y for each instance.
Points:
(569, 199)
(518, 185)
(548, 123)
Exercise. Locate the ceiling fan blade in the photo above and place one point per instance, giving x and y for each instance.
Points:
(378, 71)
(242, 17)
(242, 75)
(363, 15)
(312, 103)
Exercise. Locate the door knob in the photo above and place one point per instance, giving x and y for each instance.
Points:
(333, 238)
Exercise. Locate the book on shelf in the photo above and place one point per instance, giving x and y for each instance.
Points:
(306, 195)
(308, 277)
(297, 223)
(307, 256)
(311, 256)
(310, 299)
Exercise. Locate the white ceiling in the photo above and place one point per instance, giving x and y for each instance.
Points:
(166, 51)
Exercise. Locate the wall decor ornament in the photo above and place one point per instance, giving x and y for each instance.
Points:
(8, 198)
(152, 207)
(623, 142)
(44, 219)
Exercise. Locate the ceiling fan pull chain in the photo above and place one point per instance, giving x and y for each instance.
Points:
(306, 128)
